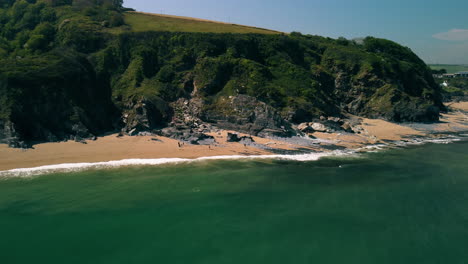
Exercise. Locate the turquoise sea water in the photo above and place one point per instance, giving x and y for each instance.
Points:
(397, 206)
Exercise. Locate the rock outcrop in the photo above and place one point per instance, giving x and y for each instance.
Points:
(248, 115)
(233, 137)
(145, 115)
(329, 125)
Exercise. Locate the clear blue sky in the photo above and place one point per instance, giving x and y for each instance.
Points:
(436, 30)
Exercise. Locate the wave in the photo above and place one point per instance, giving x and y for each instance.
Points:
(76, 167)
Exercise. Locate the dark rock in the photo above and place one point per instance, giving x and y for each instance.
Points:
(347, 127)
(18, 144)
(305, 127)
(8, 135)
(246, 139)
(81, 131)
(248, 115)
(233, 137)
(56, 97)
(201, 139)
(145, 115)
(335, 119)
(133, 132)
(357, 129)
(80, 140)
(394, 100)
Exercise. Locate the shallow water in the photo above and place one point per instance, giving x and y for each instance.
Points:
(398, 206)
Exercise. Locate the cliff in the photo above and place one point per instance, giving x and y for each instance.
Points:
(64, 74)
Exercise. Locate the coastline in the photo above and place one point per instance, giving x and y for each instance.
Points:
(112, 149)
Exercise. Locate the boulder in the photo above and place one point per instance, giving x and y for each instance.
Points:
(201, 139)
(233, 137)
(335, 119)
(305, 127)
(358, 129)
(144, 115)
(246, 140)
(347, 127)
(319, 127)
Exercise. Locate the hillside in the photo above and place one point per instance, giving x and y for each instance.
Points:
(65, 74)
(140, 22)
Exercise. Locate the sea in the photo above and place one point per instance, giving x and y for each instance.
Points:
(404, 204)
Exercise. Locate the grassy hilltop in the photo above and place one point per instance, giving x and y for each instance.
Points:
(141, 22)
(73, 69)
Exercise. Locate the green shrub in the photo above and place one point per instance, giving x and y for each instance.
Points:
(37, 42)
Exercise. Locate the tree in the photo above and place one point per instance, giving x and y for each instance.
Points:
(441, 71)
(6, 3)
(36, 42)
(117, 3)
(46, 29)
(48, 15)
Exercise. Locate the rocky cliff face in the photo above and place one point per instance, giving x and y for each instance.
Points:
(145, 115)
(54, 100)
(248, 115)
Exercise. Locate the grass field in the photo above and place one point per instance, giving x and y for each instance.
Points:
(139, 22)
(449, 67)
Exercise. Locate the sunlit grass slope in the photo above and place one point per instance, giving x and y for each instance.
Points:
(139, 22)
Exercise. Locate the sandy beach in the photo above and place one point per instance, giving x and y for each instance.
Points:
(112, 148)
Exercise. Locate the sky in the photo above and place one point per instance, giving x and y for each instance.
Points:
(435, 30)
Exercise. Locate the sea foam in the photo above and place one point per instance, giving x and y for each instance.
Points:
(75, 167)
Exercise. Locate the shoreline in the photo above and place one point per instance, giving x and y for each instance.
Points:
(301, 157)
(160, 150)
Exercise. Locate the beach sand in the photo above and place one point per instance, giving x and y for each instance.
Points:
(111, 148)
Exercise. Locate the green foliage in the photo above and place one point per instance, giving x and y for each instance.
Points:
(391, 49)
(82, 36)
(297, 73)
(457, 87)
(48, 15)
(32, 26)
(131, 78)
(37, 42)
(59, 59)
(441, 71)
(211, 74)
(41, 37)
(166, 74)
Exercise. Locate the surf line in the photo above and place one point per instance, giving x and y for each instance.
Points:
(76, 167)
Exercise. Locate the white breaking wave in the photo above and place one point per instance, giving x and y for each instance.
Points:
(428, 140)
(75, 167)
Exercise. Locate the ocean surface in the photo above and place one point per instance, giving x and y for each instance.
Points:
(404, 205)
